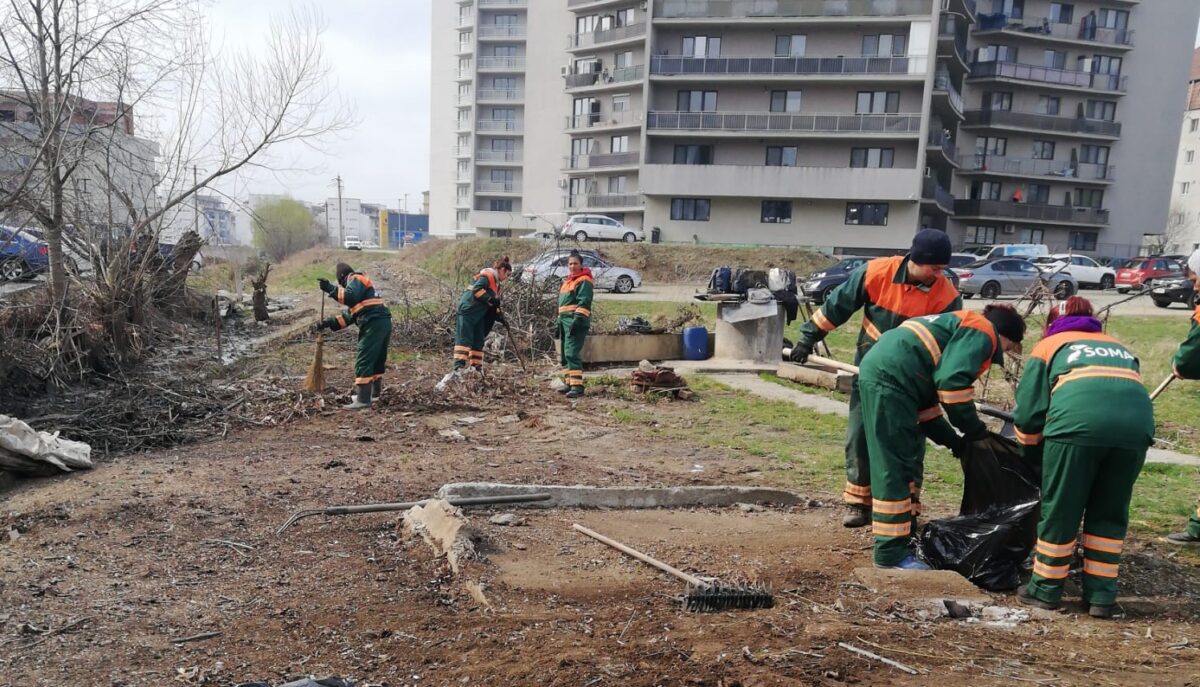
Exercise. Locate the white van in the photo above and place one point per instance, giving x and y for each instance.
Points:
(1013, 250)
(352, 243)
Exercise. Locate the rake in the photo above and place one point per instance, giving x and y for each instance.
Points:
(702, 595)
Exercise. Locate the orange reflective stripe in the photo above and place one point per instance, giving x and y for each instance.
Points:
(1097, 372)
(480, 293)
(823, 322)
(891, 507)
(361, 278)
(570, 284)
(341, 322)
(852, 488)
(890, 529)
(1104, 544)
(341, 295)
(567, 308)
(1051, 572)
(1055, 550)
(491, 278)
(1196, 315)
(960, 396)
(929, 414)
(365, 304)
(1028, 439)
(583, 312)
(1099, 569)
(973, 320)
(870, 328)
(927, 339)
(363, 380)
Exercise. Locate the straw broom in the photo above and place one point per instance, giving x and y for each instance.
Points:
(315, 381)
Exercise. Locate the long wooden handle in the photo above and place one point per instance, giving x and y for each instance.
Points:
(1162, 387)
(690, 579)
(825, 362)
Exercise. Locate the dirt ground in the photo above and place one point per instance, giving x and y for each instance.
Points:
(101, 572)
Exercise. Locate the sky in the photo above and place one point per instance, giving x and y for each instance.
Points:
(380, 56)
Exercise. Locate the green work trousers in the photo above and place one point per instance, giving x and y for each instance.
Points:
(895, 443)
(1094, 484)
(858, 463)
(571, 357)
(370, 361)
(470, 333)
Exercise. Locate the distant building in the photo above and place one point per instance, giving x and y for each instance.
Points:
(1183, 222)
(399, 229)
(222, 221)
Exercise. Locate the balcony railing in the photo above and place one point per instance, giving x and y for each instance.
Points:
(501, 94)
(1030, 211)
(465, 74)
(1064, 169)
(672, 65)
(932, 190)
(598, 160)
(949, 27)
(497, 187)
(516, 64)
(738, 9)
(615, 76)
(1042, 26)
(462, 151)
(942, 140)
(1042, 122)
(498, 156)
(501, 31)
(602, 200)
(777, 121)
(499, 125)
(1049, 75)
(596, 119)
(942, 82)
(503, 3)
(620, 33)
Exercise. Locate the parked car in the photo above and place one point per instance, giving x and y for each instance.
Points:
(820, 284)
(553, 270)
(1011, 276)
(1086, 271)
(22, 255)
(958, 260)
(540, 236)
(352, 243)
(600, 227)
(1172, 289)
(1115, 263)
(1133, 277)
(1011, 250)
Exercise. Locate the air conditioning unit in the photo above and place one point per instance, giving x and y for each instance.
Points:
(565, 70)
(1009, 229)
(562, 183)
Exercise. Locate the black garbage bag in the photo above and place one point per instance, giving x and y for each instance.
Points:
(996, 528)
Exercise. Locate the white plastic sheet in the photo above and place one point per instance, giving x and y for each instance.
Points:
(64, 454)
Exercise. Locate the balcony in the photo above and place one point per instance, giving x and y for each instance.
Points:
(941, 143)
(1030, 212)
(501, 31)
(510, 125)
(464, 99)
(601, 160)
(602, 201)
(1067, 78)
(943, 86)
(613, 120)
(760, 181)
(504, 4)
(615, 77)
(498, 156)
(464, 74)
(933, 192)
(784, 123)
(500, 94)
(963, 7)
(1074, 172)
(593, 39)
(672, 65)
(501, 64)
(594, 4)
(952, 39)
(776, 9)
(462, 151)
(1044, 29)
(497, 187)
(463, 125)
(1043, 123)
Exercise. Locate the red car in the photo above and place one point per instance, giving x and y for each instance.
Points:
(1137, 273)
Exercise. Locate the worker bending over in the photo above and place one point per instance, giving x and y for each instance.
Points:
(1187, 366)
(1081, 404)
(365, 308)
(888, 291)
(574, 320)
(915, 377)
(478, 311)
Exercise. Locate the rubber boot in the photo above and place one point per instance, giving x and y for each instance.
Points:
(856, 516)
(362, 398)
(376, 389)
(1028, 599)
(575, 392)
(1102, 612)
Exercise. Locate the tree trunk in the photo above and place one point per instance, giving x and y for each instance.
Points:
(260, 295)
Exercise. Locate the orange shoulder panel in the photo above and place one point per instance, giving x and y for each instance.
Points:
(883, 291)
(362, 278)
(1047, 347)
(1196, 315)
(973, 320)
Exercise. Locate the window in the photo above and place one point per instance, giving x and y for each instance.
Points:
(785, 101)
(701, 46)
(8, 115)
(1083, 240)
(507, 114)
(997, 101)
(1039, 194)
(791, 46)
(503, 177)
(781, 156)
(872, 157)
(998, 53)
(1043, 150)
(1105, 110)
(1013, 8)
(582, 146)
(461, 217)
(504, 83)
(505, 51)
(692, 154)
(1031, 236)
(620, 103)
(617, 184)
(1061, 12)
(985, 190)
(1185, 187)
(980, 235)
(990, 145)
(1189, 157)
(623, 60)
(690, 209)
(619, 144)
(885, 45)
(697, 101)
(587, 23)
(1195, 124)
(501, 233)
(500, 205)
(586, 112)
(1049, 105)
(1113, 19)
(873, 214)
(1105, 64)
(776, 212)
(504, 145)
(1054, 59)
(1089, 198)
(877, 102)
(1093, 154)
(626, 17)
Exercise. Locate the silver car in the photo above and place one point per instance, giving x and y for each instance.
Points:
(1010, 277)
(553, 269)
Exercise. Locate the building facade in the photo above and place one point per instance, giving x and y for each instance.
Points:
(222, 221)
(1183, 222)
(843, 125)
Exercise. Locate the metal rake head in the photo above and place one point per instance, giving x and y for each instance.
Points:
(723, 597)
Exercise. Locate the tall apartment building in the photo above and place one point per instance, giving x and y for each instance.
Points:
(1183, 222)
(837, 124)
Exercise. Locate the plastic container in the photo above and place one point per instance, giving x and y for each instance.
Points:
(695, 343)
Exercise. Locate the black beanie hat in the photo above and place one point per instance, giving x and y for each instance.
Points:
(1006, 321)
(930, 247)
(342, 271)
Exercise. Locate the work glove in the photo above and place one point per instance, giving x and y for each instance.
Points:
(800, 352)
(326, 286)
(319, 325)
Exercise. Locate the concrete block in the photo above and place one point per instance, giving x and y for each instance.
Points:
(920, 585)
(630, 348)
(627, 497)
(759, 340)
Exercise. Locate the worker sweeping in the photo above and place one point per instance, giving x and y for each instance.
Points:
(478, 311)
(363, 307)
(888, 291)
(915, 377)
(1187, 366)
(574, 320)
(1081, 404)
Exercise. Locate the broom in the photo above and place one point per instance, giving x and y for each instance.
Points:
(315, 381)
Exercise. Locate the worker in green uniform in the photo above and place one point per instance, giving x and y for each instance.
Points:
(1187, 366)
(916, 376)
(478, 311)
(365, 308)
(888, 291)
(574, 319)
(1082, 403)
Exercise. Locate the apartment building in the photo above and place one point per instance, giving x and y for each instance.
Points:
(838, 124)
(1183, 223)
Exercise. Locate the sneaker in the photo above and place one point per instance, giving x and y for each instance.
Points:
(575, 392)
(1183, 539)
(911, 562)
(1102, 612)
(1028, 599)
(856, 516)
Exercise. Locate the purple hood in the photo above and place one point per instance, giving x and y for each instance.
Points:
(1075, 323)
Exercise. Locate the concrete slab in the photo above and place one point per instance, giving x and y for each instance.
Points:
(627, 497)
(920, 585)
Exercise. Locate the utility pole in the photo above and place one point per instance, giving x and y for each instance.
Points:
(196, 208)
(341, 226)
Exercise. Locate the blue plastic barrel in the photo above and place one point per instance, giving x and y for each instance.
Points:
(695, 343)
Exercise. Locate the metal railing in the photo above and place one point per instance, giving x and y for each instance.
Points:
(500, 94)
(498, 156)
(497, 187)
(615, 76)
(942, 82)
(949, 27)
(462, 151)
(932, 190)
(939, 139)
(1043, 26)
(464, 98)
(1042, 122)
(597, 119)
(1063, 77)
(1030, 211)
(516, 64)
(597, 160)
(464, 125)
(619, 33)
(503, 3)
(737, 9)
(778, 121)
(465, 74)
(673, 65)
(602, 200)
(1085, 171)
(499, 125)
(501, 31)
